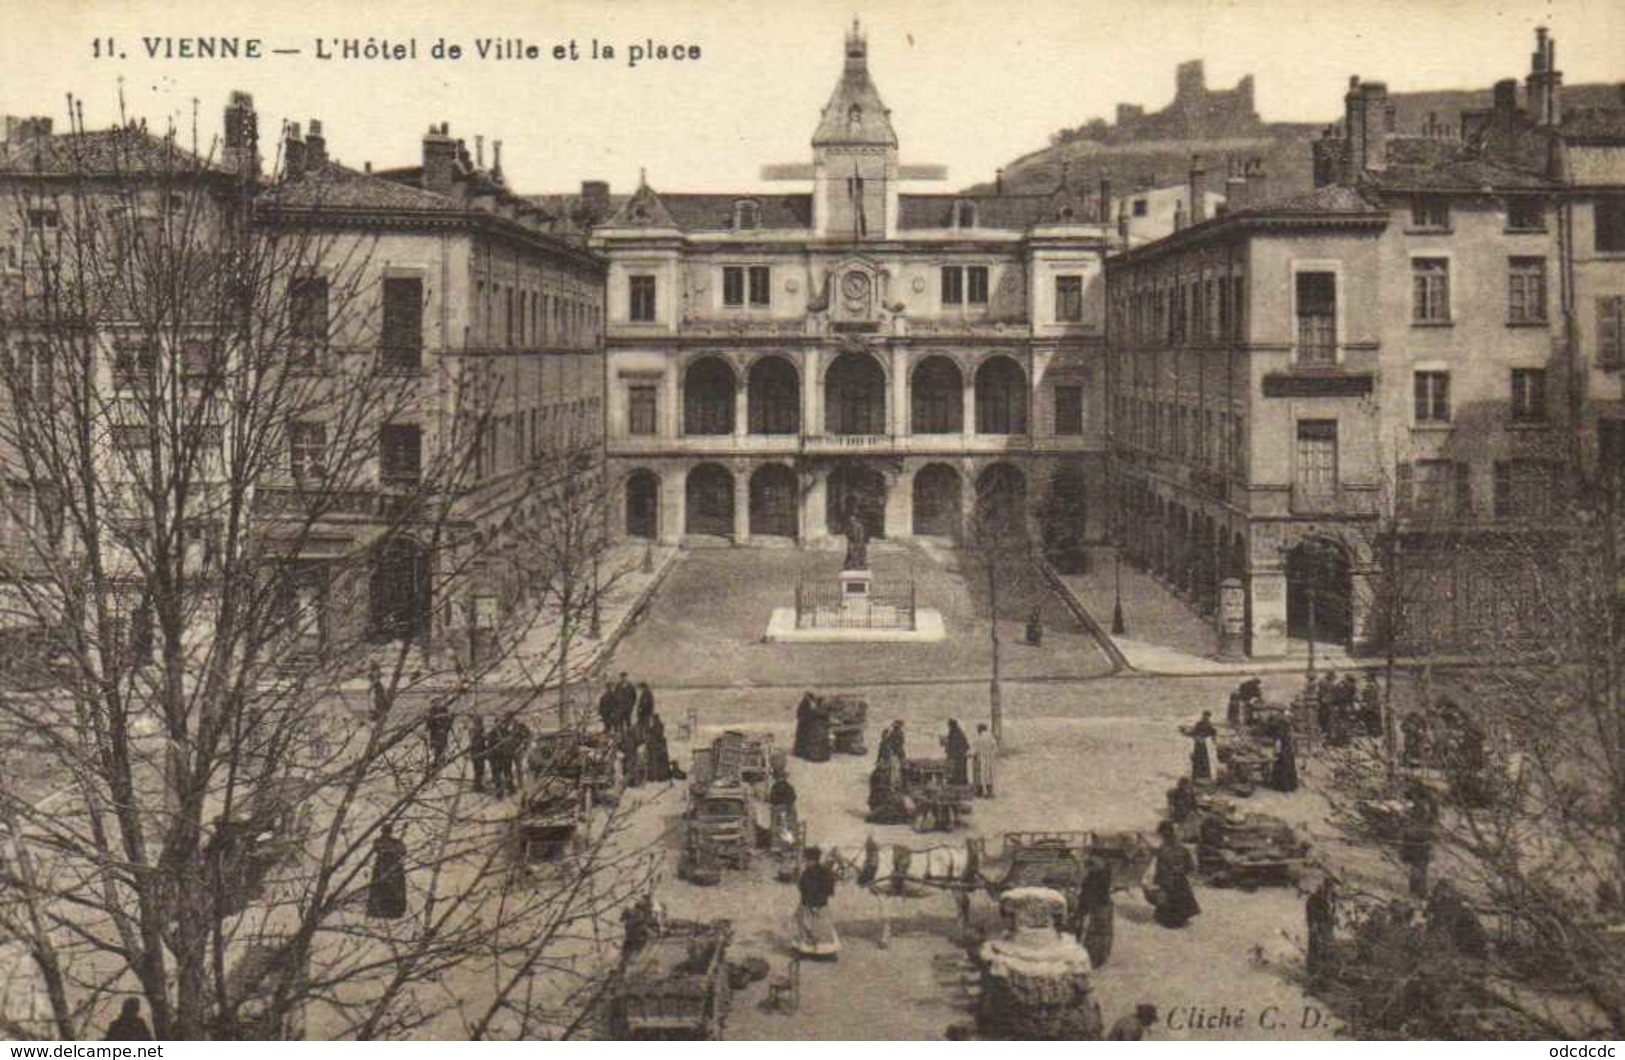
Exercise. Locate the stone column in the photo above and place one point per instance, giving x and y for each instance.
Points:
(899, 395)
(673, 511)
(812, 509)
(812, 394)
(899, 504)
(741, 407)
(671, 419)
(741, 504)
(968, 411)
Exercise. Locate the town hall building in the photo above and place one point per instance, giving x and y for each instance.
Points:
(780, 363)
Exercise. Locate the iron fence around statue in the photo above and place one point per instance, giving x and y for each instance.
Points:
(823, 606)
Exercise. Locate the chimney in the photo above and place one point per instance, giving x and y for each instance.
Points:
(240, 152)
(315, 146)
(1122, 222)
(998, 176)
(479, 152)
(1105, 213)
(496, 160)
(1198, 177)
(1258, 183)
(293, 153)
(1544, 83)
(1235, 189)
(439, 160)
(1179, 214)
(595, 194)
(1367, 117)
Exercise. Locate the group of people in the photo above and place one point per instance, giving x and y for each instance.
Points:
(1343, 708)
(501, 751)
(970, 764)
(1447, 737)
(628, 713)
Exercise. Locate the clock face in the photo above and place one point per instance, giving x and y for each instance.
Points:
(855, 286)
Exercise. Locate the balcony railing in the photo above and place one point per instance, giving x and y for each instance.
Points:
(1315, 499)
(1317, 340)
(866, 442)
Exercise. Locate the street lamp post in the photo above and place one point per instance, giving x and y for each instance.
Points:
(1118, 626)
(594, 631)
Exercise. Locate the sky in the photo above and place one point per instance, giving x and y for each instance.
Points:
(971, 85)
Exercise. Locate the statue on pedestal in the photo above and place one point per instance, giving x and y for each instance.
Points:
(857, 544)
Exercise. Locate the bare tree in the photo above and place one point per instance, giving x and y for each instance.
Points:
(193, 804)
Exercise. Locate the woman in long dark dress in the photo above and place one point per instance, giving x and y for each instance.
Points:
(812, 730)
(957, 747)
(657, 765)
(1176, 902)
(386, 896)
(1284, 773)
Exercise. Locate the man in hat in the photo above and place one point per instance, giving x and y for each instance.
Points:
(986, 750)
(815, 935)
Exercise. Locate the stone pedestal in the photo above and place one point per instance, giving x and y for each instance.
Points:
(855, 585)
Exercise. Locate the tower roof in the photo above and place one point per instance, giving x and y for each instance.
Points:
(854, 113)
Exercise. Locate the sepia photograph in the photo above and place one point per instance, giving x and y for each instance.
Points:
(823, 520)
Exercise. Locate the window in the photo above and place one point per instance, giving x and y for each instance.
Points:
(976, 284)
(1069, 299)
(1139, 207)
(307, 319)
(642, 308)
(42, 219)
(1430, 290)
(640, 409)
(760, 285)
(133, 365)
(403, 323)
(953, 285)
(1315, 476)
(1523, 489)
(1611, 449)
(400, 453)
(1317, 318)
(1526, 214)
(1610, 224)
(1528, 395)
(307, 450)
(1432, 390)
(1430, 211)
(746, 215)
(733, 285)
(1069, 410)
(29, 372)
(1526, 290)
(1611, 332)
(1438, 489)
(965, 215)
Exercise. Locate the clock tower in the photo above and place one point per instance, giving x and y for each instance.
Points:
(855, 169)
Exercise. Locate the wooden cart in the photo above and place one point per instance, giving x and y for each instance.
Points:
(938, 803)
(675, 985)
(551, 810)
(1055, 860)
(848, 716)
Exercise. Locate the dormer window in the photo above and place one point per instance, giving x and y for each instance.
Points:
(1430, 212)
(747, 215)
(964, 214)
(1067, 213)
(854, 116)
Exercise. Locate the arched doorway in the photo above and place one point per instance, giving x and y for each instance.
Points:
(643, 504)
(1319, 592)
(399, 589)
(1064, 519)
(773, 494)
(855, 395)
(709, 501)
(855, 488)
(774, 397)
(1001, 397)
(937, 399)
(937, 501)
(708, 397)
(1001, 499)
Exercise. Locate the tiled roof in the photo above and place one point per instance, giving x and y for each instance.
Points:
(1448, 165)
(335, 187)
(1595, 124)
(715, 213)
(105, 152)
(1015, 212)
(1331, 200)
